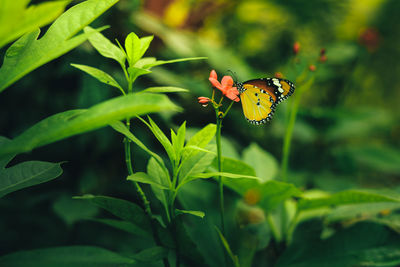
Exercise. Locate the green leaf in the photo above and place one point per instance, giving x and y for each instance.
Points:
(124, 226)
(162, 62)
(363, 211)
(72, 210)
(194, 166)
(225, 174)
(28, 53)
(151, 254)
(17, 19)
(123, 209)
(264, 163)
(66, 256)
(178, 141)
(158, 174)
(73, 122)
(365, 244)
(233, 257)
(99, 75)
(4, 161)
(164, 89)
(200, 139)
(144, 44)
(132, 48)
(104, 46)
(161, 138)
(142, 177)
(27, 174)
(197, 213)
(144, 61)
(134, 73)
(120, 127)
(345, 197)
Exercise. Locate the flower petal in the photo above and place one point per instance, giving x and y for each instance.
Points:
(216, 83)
(227, 81)
(233, 94)
(213, 75)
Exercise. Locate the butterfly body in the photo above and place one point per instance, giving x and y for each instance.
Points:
(260, 97)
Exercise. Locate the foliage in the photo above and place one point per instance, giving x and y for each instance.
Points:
(317, 186)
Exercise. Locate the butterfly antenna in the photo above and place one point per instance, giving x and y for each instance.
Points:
(234, 76)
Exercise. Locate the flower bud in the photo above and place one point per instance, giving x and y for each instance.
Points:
(296, 48)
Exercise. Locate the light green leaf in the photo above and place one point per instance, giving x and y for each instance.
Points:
(28, 53)
(144, 44)
(66, 256)
(132, 48)
(179, 140)
(344, 198)
(99, 75)
(264, 163)
(75, 122)
(123, 209)
(124, 226)
(104, 46)
(198, 149)
(225, 174)
(162, 62)
(134, 73)
(144, 61)
(142, 177)
(16, 19)
(200, 139)
(164, 89)
(195, 165)
(27, 174)
(151, 254)
(197, 213)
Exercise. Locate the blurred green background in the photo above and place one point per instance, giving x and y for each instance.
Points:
(347, 133)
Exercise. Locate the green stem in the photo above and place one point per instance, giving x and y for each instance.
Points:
(221, 185)
(146, 203)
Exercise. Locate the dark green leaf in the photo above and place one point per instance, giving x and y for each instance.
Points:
(4, 161)
(151, 254)
(158, 174)
(123, 209)
(125, 226)
(27, 174)
(66, 256)
(233, 257)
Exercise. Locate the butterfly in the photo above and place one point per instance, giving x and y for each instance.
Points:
(260, 97)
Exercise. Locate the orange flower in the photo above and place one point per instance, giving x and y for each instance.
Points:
(225, 86)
